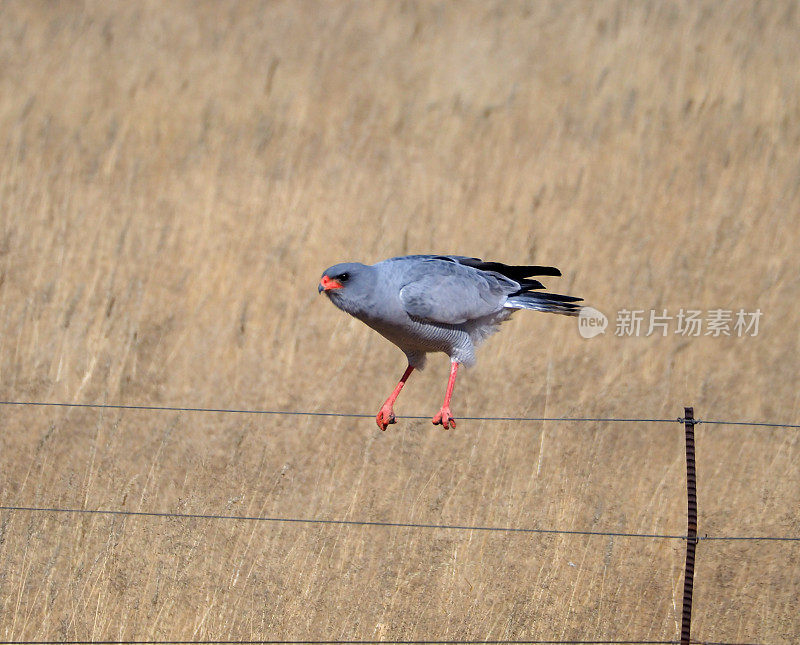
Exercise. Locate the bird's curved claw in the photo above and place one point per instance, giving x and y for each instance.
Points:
(444, 418)
(385, 417)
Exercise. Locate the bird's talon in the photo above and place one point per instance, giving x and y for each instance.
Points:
(385, 418)
(444, 418)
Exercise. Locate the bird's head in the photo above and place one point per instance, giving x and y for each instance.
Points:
(347, 284)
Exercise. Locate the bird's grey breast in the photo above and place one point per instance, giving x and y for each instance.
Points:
(385, 311)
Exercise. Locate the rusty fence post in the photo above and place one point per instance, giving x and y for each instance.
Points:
(691, 533)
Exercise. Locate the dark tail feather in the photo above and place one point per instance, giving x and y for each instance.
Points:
(527, 285)
(517, 273)
(554, 303)
(525, 298)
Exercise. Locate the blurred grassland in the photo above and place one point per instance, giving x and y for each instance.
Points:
(175, 176)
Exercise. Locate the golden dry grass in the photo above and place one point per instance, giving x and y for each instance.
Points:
(175, 176)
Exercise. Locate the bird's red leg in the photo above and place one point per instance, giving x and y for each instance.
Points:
(386, 413)
(444, 417)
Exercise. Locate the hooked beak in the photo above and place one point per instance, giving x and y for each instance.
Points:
(326, 284)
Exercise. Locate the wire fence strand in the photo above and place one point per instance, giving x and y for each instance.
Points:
(330, 642)
(370, 642)
(763, 424)
(374, 642)
(371, 523)
(307, 413)
(309, 520)
(360, 415)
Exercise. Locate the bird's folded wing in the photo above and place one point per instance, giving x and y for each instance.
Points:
(452, 298)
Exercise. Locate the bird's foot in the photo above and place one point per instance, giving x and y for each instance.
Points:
(385, 417)
(444, 418)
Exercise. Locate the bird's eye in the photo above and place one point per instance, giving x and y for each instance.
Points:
(344, 277)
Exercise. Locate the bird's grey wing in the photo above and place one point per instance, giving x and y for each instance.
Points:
(452, 294)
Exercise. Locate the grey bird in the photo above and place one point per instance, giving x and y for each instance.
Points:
(438, 303)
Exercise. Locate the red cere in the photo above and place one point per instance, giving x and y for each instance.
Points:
(328, 284)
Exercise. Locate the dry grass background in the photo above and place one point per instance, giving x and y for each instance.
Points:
(175, 176)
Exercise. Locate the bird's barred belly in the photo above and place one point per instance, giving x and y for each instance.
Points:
(425, 337)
